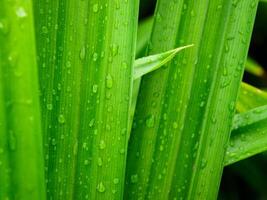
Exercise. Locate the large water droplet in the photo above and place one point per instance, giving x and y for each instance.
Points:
(49, 106)
(95, 88)
(21, 12)
(134, 178)
(150, 121)
(61, 119)
(95, 8)
(101, 187)
(102, 144)
(82, 53)
(116, 181)
(109, 81)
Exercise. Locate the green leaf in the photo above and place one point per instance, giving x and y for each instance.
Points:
(21, 156)
(173, 150)
(250, 97)
(148, 64)
(143, 36)
(249, 135)
(86, 52)
(254, 68)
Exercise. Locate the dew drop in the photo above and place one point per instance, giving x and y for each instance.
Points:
(101, 187)
(49, 106)
(95, 8)
(95, 57)
(109, 81)
(102, 144)
(82, 53)
(44, 30)
(116, 181)
(91, 123)
(99, 162)
(134, 178)
(150, 121)
(86, 162)
(175, 125)
(61, 119)
(21, 12)
(95, 88)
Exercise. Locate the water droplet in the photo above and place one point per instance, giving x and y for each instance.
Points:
(44, 30)
(101, 187)
(49, 106)
(86, 162)
(109, 81)
(95, 8)
(134, 178)
(114, 49)
(61, 119)
(95, 88)
(99, 162)
(203, 163)
(21, 12)
(150, 121)
(116, 181)
(102, 144)
(82, 53)
(175, 125)
(91, 123)
(54, 142)
(95, 57)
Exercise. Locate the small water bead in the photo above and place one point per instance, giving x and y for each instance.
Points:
(61, 119)
(82, 53)
(95, 8)
(54, 142)
(134, 178)
(49, 106)
(91, 123)
(109, 81)
(101, 187)
(150, 121)
(44, 30)
(175, 125)
(21, 12)
(95, 88)
(95, 57)
(114, 49)
(86, 162)
(102, 144)
(99, 162)
(116, 181)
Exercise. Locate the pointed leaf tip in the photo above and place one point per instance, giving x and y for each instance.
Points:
(151, 63)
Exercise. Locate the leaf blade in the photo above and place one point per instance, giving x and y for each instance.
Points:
(249, 135)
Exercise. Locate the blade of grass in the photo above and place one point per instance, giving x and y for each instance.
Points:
(159, 131)
(254, 68)
(143, 36)
(250, 97)
(21, 156)
(249, 135)
(86, 52)
(146, 65)
(149, 64)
